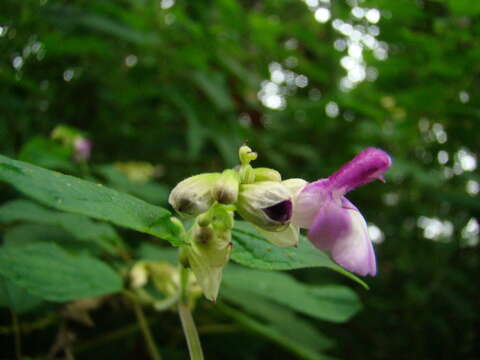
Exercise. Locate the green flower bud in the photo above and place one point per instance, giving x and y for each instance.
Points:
(214, 246)
(267, 204)
(165, 277)
(65, 134)
(246, 154)
(209, 253)
(208, 277)
(222, 218)
(192, 196)
(266, 174)
(225, 190)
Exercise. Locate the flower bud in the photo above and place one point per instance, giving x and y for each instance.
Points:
(82, 149)
(192, 196)
(267, 204)
(65, 134)
(266, 174)
(209, 253)
(246, 154)
(208, 277)
(214, 246)
(225, 190)
(138, 275)
(165, 277)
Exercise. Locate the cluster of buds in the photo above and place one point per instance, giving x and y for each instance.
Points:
(166, 280)
(278, 209)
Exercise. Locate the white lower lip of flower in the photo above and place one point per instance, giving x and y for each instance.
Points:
(284, 239)
(354, 251)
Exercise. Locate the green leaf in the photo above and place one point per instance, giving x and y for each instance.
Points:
(333, 303)
(152, 252)
(464, 7)
(280, 317)
(196, 135)
(151, 191)
(32, 233)
(16, 298)
(119, 30)
(215, 87)
(47, 153)
(273, 333)
(75, 195)
(81, 227)
(48, 271)
(253, 250)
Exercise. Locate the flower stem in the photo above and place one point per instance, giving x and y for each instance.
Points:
(190, 331)
(17, 335)
(188, 325)
(143, 323)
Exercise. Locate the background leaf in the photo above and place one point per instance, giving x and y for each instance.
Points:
(71, 194)
(280, 335)
(252, 250)
(81, 227)
(51, 273)
(334, 303)
(17, 298)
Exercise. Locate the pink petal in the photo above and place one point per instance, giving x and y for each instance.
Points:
(367, 166)
(354, 251)
(308, 202)
(331, 224)
(342, 230)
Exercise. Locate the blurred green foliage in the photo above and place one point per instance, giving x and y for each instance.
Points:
(178, 84)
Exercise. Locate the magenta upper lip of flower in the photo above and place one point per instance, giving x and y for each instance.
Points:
(334, 223)
(367, 166)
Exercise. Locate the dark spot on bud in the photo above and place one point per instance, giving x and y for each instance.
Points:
(184, 206)
(185, 263)
(204, 235)
(224, 197)
(281, 212)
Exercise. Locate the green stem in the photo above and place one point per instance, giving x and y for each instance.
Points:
(188, 325)
(190, 331)
(143, 323)
(29, 327)
(17, 336)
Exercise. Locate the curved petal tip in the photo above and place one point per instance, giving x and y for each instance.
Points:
(367, 166)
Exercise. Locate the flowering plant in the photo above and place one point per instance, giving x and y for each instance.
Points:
(277, 209)
(207, 234)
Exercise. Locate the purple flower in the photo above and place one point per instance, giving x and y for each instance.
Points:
(82, 148)
(334, 223)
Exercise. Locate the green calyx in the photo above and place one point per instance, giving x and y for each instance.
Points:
(210, 240)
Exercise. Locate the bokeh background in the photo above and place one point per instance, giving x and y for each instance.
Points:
(309, 83)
